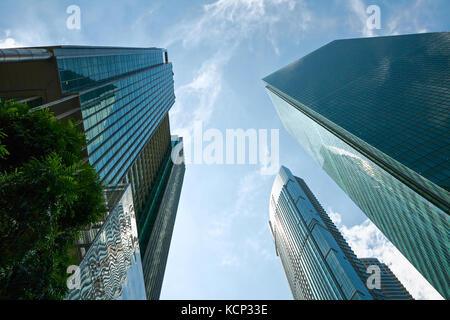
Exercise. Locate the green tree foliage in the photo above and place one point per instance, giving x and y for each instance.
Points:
(3, 151)
(47, 195)
(36, 135)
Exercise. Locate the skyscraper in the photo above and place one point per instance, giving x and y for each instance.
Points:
(318, 262)
(121, 98)
(111, 268)
(164, 215)
(315, 264)
(374, 113)
(391, 287)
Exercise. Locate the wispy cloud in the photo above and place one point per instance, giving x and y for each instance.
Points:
(415, 18)
(358, 7)
(222, 27)
(232, 21)
(366, 240)
(202, 92)
(139, 23)
(249, 188)
(396, 18)
(232, 243)
(39, 24)
(259, 247)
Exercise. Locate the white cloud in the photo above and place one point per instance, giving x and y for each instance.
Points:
(231, 21)
(202, 93)
(256, 244)
(140, 21)
(366, 240)
(335, 217)
(411, 19)
(223, 26)
(247, 191)
(40, 24)
(358, 7)
(416, 17)
(231, 246)
(9, 43)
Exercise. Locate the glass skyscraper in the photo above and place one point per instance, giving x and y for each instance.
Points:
(391, 287)
(121, 98)
(315, 264)
(111, 269)
(374, 113)
(318, 262)
(163, 221)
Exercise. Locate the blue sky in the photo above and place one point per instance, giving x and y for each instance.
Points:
(221, 247)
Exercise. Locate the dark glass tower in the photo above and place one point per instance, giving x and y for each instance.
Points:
(318, 262)
(121, 98)
(374, 113)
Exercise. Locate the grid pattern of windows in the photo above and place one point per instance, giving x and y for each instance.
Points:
(348, 252)
(155, 256)
(124, 95)
(156, 187)
(315, 265)
(419, 229)
(143, 173)
(391, 92)
(84, 72)
(391, 287)
(124, 121)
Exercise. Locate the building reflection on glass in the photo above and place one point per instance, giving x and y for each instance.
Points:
(111, 268)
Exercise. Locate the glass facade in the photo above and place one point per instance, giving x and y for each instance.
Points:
(391, 92)
(391, 287)
(124, 94)
(374, 113)
(316, 266)
(83, 68)
(120, 97)
(111, 268)
(158, 243)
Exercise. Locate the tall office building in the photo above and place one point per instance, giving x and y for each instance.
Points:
(121, 98)
(391, 287)
(111, 268)
(318, 262)
(374, 113)
(316, 265)
(163, 222)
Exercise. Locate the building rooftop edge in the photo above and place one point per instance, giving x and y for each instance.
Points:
(85, 47)
(349, 39)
